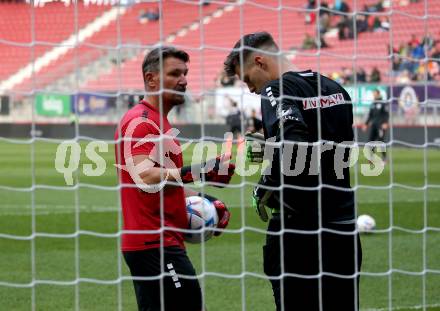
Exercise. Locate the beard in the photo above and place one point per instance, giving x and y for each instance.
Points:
(177, 99)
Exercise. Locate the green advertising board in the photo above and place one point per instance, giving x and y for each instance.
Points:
(362, 96)
(52, 105)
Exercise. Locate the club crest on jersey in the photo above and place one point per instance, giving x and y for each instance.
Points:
(323, 101)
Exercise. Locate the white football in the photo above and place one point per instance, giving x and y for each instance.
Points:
(202, 215)
(365, 223)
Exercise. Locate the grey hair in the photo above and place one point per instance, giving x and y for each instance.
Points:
(152, 59)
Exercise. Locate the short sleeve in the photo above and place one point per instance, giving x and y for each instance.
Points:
(141, 135)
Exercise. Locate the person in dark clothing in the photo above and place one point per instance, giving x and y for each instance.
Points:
(233, 120)
(254, 123)
(361, 75)
(341, 6)
(377, 120)
(375, 75)
(300, 111)
(131, 101)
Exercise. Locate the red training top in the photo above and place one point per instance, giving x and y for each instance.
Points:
(141, 209)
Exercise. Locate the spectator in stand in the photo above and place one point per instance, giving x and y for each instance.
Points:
(348, 75)
(341, 6)
(435, 52)
(378, 23)
(434, 70)
(428, 42)
(417, 54)
(344, 28)
(404, 49)
(321, 41)
(404, 54)
(372, 22)
(404, 77)
(414, 41)
(153, 14)
(361, 23)
(434, 62)
(143, 17)
(375, 75)
(323, 9)
(324, 25)
(310, 16)
(378, 7)
(384, 23)
(361, 75)
(309, 42)
(395, 59)
(337, 76)
(396, 63)
(149, 15)
(324, 21)
(423, 72)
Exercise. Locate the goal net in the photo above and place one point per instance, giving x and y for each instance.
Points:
(72, 69)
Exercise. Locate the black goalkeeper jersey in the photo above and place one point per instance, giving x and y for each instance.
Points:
(294, 112)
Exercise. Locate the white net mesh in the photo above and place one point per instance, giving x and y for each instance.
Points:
(69, 72)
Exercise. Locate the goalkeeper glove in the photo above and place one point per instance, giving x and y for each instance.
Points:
(255, 147)
(213, 170)
(259, 200)
(222, 211)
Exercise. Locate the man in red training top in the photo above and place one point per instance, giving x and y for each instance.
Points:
(151, 174)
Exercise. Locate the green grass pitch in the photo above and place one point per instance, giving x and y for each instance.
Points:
(411, 253)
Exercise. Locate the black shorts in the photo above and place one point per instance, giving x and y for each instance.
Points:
(377, 133)
(301, 257)
(178, 290)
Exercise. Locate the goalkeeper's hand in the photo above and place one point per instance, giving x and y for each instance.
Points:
(222, 211)
(255, 147)
(260, 197)
(219, 170)
(223, 215)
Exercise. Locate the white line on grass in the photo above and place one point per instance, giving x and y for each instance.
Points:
(47, 209)
(417, 307)
(42, 209)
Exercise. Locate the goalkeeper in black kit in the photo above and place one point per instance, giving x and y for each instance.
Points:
(312, 254)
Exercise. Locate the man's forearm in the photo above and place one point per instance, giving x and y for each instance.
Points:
(156, 175)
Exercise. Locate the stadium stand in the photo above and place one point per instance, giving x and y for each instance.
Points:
(126, 30)
(175, 25)
(17, 21)
(220, 31)
(207, 42)
(371, 48)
